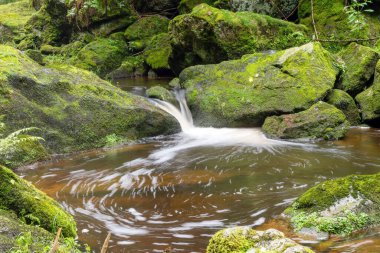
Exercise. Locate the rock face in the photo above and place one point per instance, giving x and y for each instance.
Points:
(346, 104)
(369, 100)
(33, 205)
(74, 109)
(244, 92)
(321, 121)
(338, 206)
(245, 239)
(210, 35)
(360, 64)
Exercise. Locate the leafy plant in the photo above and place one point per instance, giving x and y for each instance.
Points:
(355, 11)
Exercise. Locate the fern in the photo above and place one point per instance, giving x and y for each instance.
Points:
(355, 11)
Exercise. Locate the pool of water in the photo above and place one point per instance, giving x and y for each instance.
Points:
(164, 194)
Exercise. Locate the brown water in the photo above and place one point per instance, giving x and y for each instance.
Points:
(153, 196)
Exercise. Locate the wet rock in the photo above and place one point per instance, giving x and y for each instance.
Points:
(245, 239)
(369, 100)
(359, 68)
(339, 206)
(33, 205)
(74, 108)
(321, 121)
(244, 92)
(346, 104)
(162, 94)
(209, 35)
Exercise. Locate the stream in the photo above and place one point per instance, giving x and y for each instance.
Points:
(174, 192)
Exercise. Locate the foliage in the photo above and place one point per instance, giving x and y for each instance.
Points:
(355, 10)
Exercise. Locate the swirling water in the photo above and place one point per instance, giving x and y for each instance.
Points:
(174, 192)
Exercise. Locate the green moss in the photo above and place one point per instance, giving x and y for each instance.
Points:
(161, 94)
(18, 195)
(244, 239)
(74, 108)
(359, 68)
(132, 66)
(146, 27)
(244, 92)
(346, 104)
(210, 35)
(101, 56)
(158, 52)
(320, 121)
(353, 202)
(186, 6)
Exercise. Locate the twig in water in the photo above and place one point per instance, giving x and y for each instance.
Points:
(105, 245)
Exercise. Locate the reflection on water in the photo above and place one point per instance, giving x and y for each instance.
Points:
(149, 206)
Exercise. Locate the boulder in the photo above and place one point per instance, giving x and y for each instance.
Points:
(101, 56)
(369, 100)
(244, 92)
(332, 22)
(247, 240)
(344, 102)
(33, 205)
(359, 68)
(276, 8)
(74, 108)
(321, 121)
(157, 54)
(161, 93)
(339, 206)
(209, 35)
(132, 66)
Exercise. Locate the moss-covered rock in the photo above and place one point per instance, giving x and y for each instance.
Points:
(332, 22)
(162, 94)
(101, 56)
(35, 55)
(244, 92)
(132, 66)
(157, 54)
(245, 239)
(338, 206)
(145, 28)
(33, 205)
(13, 17)
(186, 6)
(210, 35)
(359, 68)
(344, 102)
(74, 108)
(319, 121)
(369, 100)
(116, 25)
(11, 228)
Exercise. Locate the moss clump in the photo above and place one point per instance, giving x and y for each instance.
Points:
(162, 94)
(158, 52)
(244, 92)
(244, 239)
(186, 6)
(146, 28)
(320, 121)
(132, 66)
(209, 35)
(33, 205)
(360, 63)
(369, 100)
(346, 104)
(74, 108)
(339, 206)
(101, 56)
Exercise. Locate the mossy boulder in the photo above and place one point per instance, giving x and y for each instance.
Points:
(105, 29)
(157, 54)
(245, 239)
(145, 28)
(344, 102)
(276, 8)
(359, 68)
(132, 66)
(101, 56)
(338, 206)
(186, 6)
(74, 108)
(369, 100)
(161, 93)
(244, 92)
(11, 227)
(13, 17)
(209, 35)
(332, 22)
(321, 121)
(33, 205)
